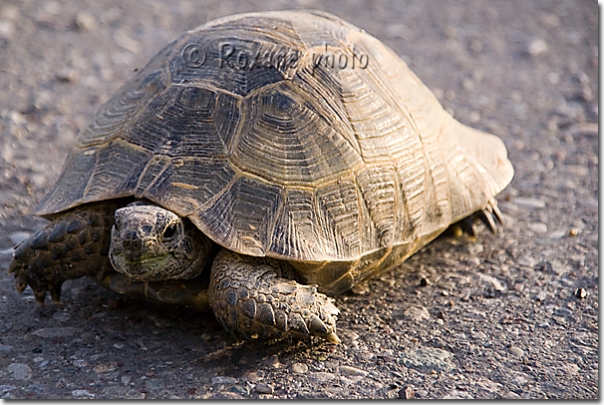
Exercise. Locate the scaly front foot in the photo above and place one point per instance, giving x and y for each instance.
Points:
(72, 246)
(259, 297)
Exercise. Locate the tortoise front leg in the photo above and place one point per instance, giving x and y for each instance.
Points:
(259, 297)
(73, 245)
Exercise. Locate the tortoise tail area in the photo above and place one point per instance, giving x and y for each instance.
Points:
(479, 168)
(74, 244)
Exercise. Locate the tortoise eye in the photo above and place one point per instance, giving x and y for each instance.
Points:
(170, 232)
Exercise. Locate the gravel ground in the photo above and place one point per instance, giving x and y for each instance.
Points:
(508, 316)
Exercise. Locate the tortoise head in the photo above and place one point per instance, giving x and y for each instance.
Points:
(150, 243)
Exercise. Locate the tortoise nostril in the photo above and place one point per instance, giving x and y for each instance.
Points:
(132, 241)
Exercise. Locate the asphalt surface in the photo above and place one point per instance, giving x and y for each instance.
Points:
(513, 315)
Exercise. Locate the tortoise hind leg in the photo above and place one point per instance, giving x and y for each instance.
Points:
(259, 297)
(73, 245)
(490, 215)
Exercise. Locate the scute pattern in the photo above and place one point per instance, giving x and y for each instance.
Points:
(243, 216)
(338, 212)
(344, 172)
(380, 191)
(298, 232)
(289, 142)
(187, 183)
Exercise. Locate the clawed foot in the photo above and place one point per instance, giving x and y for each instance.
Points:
(258, 297)
(33, 265)
(72, 246)
(490, 215)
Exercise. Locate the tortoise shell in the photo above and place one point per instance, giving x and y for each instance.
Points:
(292, 135)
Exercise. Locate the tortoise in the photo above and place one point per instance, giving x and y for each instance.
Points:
(259, 165)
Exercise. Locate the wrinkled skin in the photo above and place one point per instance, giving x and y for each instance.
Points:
(149, 243)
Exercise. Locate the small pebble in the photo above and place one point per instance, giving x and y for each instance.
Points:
(480, 336)
(85, 21)
(406, 393)
(417, 313)
(581, 293)
(57, 332)
(557, 234)
(5, 348)
(529, 202)
(516, 351)
(321, 376)
(352, 380)
(519, 380)
(537, 47)
(223, 380)
(571, 368)
(538, 227)
(299, 368)
(19, 371)
(263, 388)
(424, 282)
(428, 359)
(239, 389)
(348, 370)
(573, 232)
(82, 393)
(67, 75)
